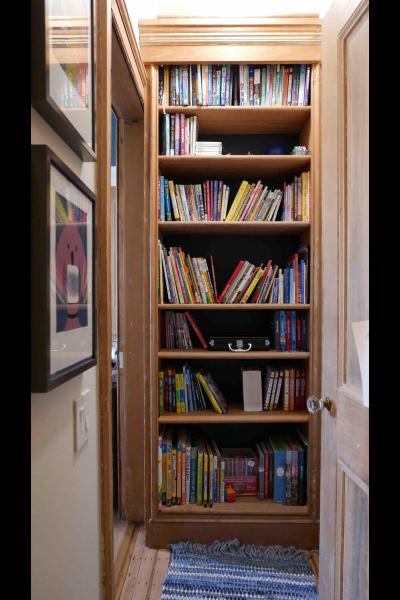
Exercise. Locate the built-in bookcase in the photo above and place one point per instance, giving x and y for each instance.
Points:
(241, 129)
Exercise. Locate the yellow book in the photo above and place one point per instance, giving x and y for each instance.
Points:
(253, 284)
(200, 473)
(177, 392)
(182, 392)
(189, 289)
(205, 477)
(209, 393)
(173, 200)
(236, 201)
(244, 202)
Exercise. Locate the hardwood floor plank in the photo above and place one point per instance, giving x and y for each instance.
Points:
(133, 570)
(160, 571)
(145, 575)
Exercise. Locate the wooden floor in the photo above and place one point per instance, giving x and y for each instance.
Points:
(144, 571)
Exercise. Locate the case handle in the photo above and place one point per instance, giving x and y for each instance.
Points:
(239, 349)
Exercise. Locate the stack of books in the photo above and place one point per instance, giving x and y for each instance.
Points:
(207, 201)
(187, 279)
(234, 85)
(208, 148)
(178, 134)
(186, 391)
(285, 389)
(241, 470)
(253, 202)
(177, 333)
(290, 331)
(296, 199)
(191, 469)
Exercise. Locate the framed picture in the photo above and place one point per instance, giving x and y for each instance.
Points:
(63, 70)
(63, 312)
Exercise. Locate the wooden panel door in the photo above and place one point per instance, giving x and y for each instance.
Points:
(344, 430)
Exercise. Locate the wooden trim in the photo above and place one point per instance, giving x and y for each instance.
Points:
(123, 28)
(103, 181)
(213, 40)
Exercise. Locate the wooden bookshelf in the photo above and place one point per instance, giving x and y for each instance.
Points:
(222, 307)
(230, 166)
(246, 119)
(236, 415)
(229, 228)
(221, 355)
(252, 520)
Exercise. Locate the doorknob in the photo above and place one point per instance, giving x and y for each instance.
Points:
(315, 404)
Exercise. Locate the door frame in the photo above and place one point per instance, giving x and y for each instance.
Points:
(110, 14)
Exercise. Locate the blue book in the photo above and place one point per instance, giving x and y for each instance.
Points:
(167, 200)
(293, 330)
(193, 474)
(218, 86)
(223, 85)
(301, 281)
(279, 447)
(286, 285)
(162, 199)
(193, 391)
(282, 331)
(291, 285)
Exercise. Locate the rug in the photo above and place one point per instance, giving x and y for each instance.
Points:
(229, 571)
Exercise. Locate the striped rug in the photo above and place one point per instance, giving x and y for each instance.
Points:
(229, 571)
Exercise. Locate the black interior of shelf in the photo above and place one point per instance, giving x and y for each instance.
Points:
(256, 144)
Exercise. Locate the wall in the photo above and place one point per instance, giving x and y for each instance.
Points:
(65, 517)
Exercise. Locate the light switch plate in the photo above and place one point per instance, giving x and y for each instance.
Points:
(81, 420)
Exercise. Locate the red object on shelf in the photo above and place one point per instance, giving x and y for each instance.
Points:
(230, 494)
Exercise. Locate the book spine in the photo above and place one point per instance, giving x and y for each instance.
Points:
(279, 477)
(232, 277)
(196, 329)
(193, 475)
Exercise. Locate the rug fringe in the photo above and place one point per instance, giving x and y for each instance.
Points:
(233, 548)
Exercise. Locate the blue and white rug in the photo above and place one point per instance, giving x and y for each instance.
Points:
(229, 571)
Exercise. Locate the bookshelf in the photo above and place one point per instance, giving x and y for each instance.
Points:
(249, 519)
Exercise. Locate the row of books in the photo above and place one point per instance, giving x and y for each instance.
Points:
(290, 331)
(74, 87)
(296, 199)
(205, 201)
(187, 279)
(177, 333)
(186, 391)
(208, 201)
(178, 135)
(192, 469)
(285, 389)
(269, 284)
(234, 85)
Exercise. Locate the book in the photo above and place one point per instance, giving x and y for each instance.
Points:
(252, 389)
(196, 329)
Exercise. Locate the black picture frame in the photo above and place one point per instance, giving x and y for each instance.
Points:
(49, 174)
(41, 98)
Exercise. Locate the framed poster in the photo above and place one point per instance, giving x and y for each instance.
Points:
(63, 70)
(62, 272)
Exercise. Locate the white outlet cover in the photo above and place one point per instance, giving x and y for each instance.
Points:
(81, 421)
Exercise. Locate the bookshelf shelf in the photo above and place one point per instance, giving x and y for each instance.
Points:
(229, 228)
(247, 306)
(236, 415)
(244, 504)
(232, 165)
(246, 119)
(220, 355)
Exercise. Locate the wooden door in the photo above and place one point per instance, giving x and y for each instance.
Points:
(344, 430)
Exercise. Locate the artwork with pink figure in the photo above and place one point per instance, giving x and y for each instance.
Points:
(71, 265)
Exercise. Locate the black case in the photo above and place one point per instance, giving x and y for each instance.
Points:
(240, 344)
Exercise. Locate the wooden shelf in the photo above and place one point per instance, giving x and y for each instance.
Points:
(242, 505)
(233, 165)
(247, 306)
(228, 228)
(219, 354)
(236, 415)
(245, 119)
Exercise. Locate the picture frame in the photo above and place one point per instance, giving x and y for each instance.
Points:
(63, 308)
(63, 70)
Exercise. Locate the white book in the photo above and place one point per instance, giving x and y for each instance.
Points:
(252, 390)
(225, 202)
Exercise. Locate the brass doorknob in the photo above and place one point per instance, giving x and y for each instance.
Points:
(315, 404)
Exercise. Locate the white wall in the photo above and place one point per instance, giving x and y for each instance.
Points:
(65, 517)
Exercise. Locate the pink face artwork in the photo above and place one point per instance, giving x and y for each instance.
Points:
(71, 273)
